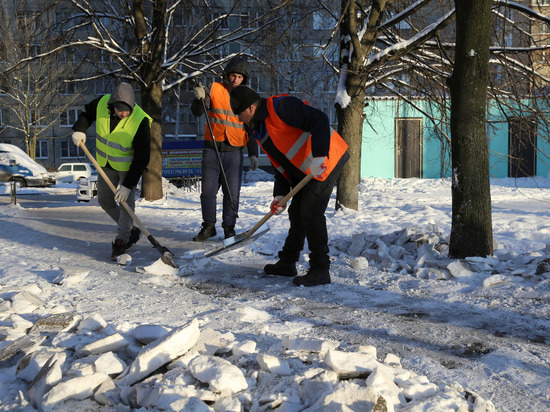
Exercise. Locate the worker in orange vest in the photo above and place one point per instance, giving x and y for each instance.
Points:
(222, 157)
(298, 140)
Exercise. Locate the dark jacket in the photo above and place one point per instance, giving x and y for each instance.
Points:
(236, 65)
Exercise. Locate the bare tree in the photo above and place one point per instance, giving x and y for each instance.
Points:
(150, 48)
(374, 52)
(406, 49)
(471, 230)
(34, 93)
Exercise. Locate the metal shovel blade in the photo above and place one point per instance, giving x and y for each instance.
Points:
(238, 241)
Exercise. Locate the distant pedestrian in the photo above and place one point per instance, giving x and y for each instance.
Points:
(122, 150)
(298, 140)
(230, 139)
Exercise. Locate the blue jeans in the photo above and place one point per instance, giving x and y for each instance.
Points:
(212, 179)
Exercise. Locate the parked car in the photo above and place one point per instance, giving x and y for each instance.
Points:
(17, 166)
(71, 172)
(87, 187)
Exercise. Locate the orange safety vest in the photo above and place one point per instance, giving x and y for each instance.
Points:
(295, 144)
(225, 124)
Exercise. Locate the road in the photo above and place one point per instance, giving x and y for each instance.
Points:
(439, 335)
(59, 214)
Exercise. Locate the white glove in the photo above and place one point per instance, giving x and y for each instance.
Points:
(253, 162)
(277, 210)
(121, 194)
(317, 166)
(199, 92)
(78, 137)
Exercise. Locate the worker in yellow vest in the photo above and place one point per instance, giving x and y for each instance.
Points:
(298, 140)
(123, 147)
(222, 157)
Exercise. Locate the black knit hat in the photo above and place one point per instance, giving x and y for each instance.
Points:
(121, 106)
(241, 98)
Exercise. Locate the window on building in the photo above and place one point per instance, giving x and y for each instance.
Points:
(220, 52)
(180, 18)
(322, 21)
(41, 151)
(68, 117)
(2, 118)
(67, 88)
(254, 82)
(249, 20)
(68, 150)
(28, 21)
(35, 49)
(186, 116)
(103, 85)
(66, 56)
(223, 20)
(64, 20)
(102, 56)
(35, 119)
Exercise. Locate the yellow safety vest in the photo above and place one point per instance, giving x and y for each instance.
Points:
(116, 147)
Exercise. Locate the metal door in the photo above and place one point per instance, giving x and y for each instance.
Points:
(522, 147)
(408, 147)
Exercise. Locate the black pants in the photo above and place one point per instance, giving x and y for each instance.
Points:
(307, 220)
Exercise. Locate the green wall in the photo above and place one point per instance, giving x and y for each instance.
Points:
(378, 148)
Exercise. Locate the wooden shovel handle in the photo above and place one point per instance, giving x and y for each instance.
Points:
(113, 188)
(281, 203)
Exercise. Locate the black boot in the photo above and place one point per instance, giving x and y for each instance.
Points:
(228, 231)
(135, 234)
(207, 231)
(119, 247)
(315, 276)
(281, 268)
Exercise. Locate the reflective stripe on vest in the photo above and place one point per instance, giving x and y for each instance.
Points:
(225, 124)
(295, 144)
(116, 147)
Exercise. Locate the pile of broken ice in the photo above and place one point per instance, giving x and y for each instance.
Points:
(424, 253)
(64, 361)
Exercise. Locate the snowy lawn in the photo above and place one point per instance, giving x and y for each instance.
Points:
(400, 326)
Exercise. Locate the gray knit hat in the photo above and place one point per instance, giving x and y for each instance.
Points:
(242, 98)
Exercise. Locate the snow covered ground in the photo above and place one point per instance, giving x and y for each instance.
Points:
(400, 325)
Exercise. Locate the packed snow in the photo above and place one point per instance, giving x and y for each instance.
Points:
(401, 327)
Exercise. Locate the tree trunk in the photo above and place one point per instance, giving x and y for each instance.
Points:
(350, 125)
(151, 93)
(151, 187)
(471, 229)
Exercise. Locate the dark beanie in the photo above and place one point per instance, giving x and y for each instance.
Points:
(242, 98)
(121, 106)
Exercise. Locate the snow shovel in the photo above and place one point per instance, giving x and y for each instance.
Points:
(167, 256)
(243, 239)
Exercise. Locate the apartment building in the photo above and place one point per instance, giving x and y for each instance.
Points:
(40, 100)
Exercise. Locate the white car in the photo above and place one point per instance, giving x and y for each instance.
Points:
(71, 172)
(87, 187)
